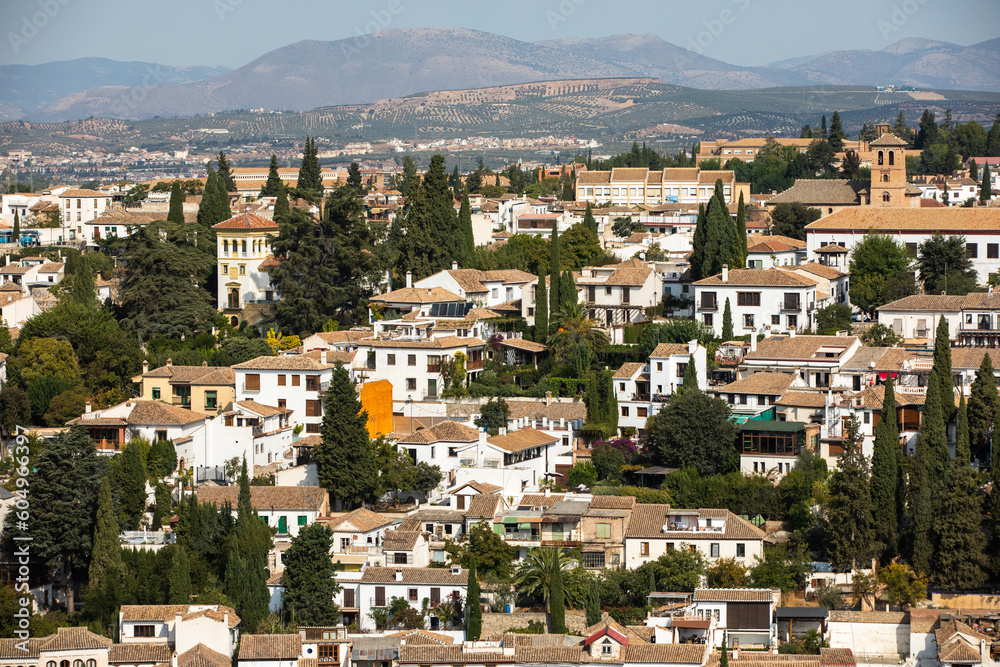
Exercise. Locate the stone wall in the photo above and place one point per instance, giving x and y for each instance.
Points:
(497, 624)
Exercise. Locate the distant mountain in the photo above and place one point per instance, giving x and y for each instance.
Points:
(918, 62)
(26, 88)
(406, 61)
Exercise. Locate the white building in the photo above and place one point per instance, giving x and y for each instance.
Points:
(818, 360)
(110, 428)
(260, 433)
(627, 186)
(81, 206)
(716, 533)
(484, 288)
(413, 364)
(243, 255)
(181, 626)
(742, 615)
(642, 389)
(758, 299)
(294, 382)
(379, 585)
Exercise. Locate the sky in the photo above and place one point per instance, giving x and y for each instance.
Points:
(232, 33)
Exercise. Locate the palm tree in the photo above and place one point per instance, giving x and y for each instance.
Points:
(535, 573)
(576, 336)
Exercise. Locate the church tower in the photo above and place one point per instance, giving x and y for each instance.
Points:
(888, 186)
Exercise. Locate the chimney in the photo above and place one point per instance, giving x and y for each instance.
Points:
(145, 367)
(753, 341)
(454, 265)
(204, 364)
(399, 574)
(791, 332)
(548, 397)
(725, 273)
(322, 356)
(88, 407)
(409, 279)
(170, 362)
(225, 617)
(548, 491)
(173, 659)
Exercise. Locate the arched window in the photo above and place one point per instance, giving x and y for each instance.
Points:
(91, 663)
(225, 245)
(885, 196)
(50, 663)
(78, 663)
(881, 157)
(892, 156)
(64, 663)
(244, 246)
(885, 178)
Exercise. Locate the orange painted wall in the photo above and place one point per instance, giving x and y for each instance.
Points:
(376, 398)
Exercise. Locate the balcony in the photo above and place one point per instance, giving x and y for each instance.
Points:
(708, 305)
(791, 305)
(528, 537)
(475, 365)
(433, 368)
(637, 396)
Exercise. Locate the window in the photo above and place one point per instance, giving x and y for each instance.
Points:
(868, 417)
(296, 380)
(708, 300)
(411, 594)
(252, 382)
(593, 560)
(792, 301)
(972, 250)
(211, 400)
(881, 158)
(670, 546)
(714, 549)
(78, 663)
(607, 290)
(748, 322)
(281, 403)
(390, 359)
(641, 412)
(707, 317)
(411, 384)
(643, 548)
(624, 411)
(328, 653)
(156, 393)
(892, 156)
(659, 365)
(303, 519)
(312, 428)
(606, 648)
(161, 436)
(243, 269)
(748, 299)
(992, 250)
(225, 268)
(411, 360)
(314, 408)
(775, 320)
(604, 531)
(885, 196)
(281, 380)
(144, 631)
(399, 558)
(793, 321)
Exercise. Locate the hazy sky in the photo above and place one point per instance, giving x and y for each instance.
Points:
(234, 32)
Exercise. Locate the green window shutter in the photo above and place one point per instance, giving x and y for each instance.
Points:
(283, 524)
(302, 520)
(498, 528)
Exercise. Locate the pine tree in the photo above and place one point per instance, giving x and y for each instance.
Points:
(593, 603)
(541, 311)
(226, 173)
(983, 401)
(850, 527)
(310, 577)
(345, 459)
(16, 231)
(902, 130)
(727, 322)
(942, 362)
(885, 471)
(474, 611)
(465, 225)
(741, 229)
(588, 219)
(310, 181)
(993, 139)
(180, 577)
(354, 178)
(206, 208)
(836, 136)
(986, 189)
(176, 211)
(557, 602)
(273, 183)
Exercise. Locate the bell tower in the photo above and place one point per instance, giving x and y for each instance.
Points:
(888, 186)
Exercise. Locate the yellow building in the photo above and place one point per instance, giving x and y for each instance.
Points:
(243, 251)
(204, 388)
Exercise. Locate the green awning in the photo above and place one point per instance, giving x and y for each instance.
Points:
(510, 519)
(524, 526)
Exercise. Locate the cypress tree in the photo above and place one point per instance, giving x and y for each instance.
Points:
(132, 484)
(942, 361)
(960, 557)
(650, 581)
(273, 183)
(310, 180)
(690, 379)
(474, 611)
(345, 459)
(180, 577)
(698, 245)
(902, 130)
(310, 577)
(994, 499)
(921, 506)
(836, 136)
(588, 219)
(541, 311)
(557, 601)
(993, 138)
(214, 205)
(568, 296)
(973, 170)
(741, 229)
(226, 173)
(455, 181)
(962, 448)
(933, 435)
(850, 530)
(176, 211)
(465, 226)
(727, 322)
(163, 506)
(106, 555)
(885, 471)
(555, 272)
(281, 207)
(983, 400)
(252, 541)
(724, 654)
(84, 288)
(822, 127)
(17, 228)
(986, 189)
(593, 603)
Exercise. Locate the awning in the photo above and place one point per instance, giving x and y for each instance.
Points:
(524, 526)
(882, 376)
(510, 519)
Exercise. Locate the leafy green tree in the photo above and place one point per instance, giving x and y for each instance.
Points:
(582, 473)
(15, 410)
(928, 132)
(944, 265)
(677, 570)
(538, 569)
(868, 132)
(580, 247)
(272, 186)
(993, 138)
(879, 335)
(40, 357)
(903, 586)
(175, 212)
(677, 331)
(159, 292)
(791, 219)
(727, 322)
(886, 471)
(180, 578)
(309, 577)
(727, 573)
(344, 458)
(430, 243)
(465, 225)
(933, 436)
(693, 429)
(881, 271)
(84, 289)
(983, 401)
(608, 461)
(131, 482)
(850, 527)
(310, 179)
(474, 613)
(821, 156)
(493, 415)
(541, 311)
(568, 298)
(588, 219)
(833, 318)
(986, 189)
(782, 567)
(576, 339)
(225, 173)
(484, 549)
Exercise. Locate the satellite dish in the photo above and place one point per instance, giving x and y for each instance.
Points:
(642, 256)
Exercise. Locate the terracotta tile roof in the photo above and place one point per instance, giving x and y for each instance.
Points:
(554, 411)
(862, 359)
(417, 295)
(888, 139)
(648, 521)
(468, 280)
(629, 276)
(823, 270)
(449, 655)
(668, 350)
(733, 595)
(799, 347)
(629, 174)
(526, 345)
(167, 612)
(269, 262)
(710, 177)
(20, 649)
(521, 439)
(448, 431)
(888, 617)
(483, 506)
(398, 540)
(753, 239)
(51, 267)
(837, 656)
(758, 383)
(933, 302)
(593, 177)
(802, 399)
(948, 220)
(483, 487)
(687, 654)
(832, 249)
(297, 362)
(612, 503)
(247, 222)
(138, 653)
(191, 374)
(416, 520)
(958, 650)
(629, 369)
(157, 413)
(923, 621)
(261, 409)
(414, 575)
(421, 637)
(266, 497)
(548, 655)
(950, 628)
(74, 639)
(822, 191)
(83, 193)
(361, 519)
(270, 647)
(345, 336)
(983, 300)
(761, 659)
(442, 343)
(972, 357)
(539, 500)
(333, 357)
(757, 278)
(771, 246)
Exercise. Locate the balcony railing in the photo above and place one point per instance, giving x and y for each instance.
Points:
(475, 365)
(791, 305)
(640, 397)
(708, 305)
(522, 536)
(433, 368)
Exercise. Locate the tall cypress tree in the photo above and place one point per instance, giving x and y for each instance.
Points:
(741, 227)
(697, 256)
(588, 219)
(983, 400)
(690, 379)
(273, 183)
(84, 288)
(465, 226)
(960, 557)
(942, 362)
(226, 173)
(727, 322)
(176, 211)
(208, 209)
(345, 459)
(180, 577)
(541, 311)
(885, 472)
(106, 556)
(310, 180)
(836, 135)
(568, 296)
(593, 603)
(281, 207)
(933, 433)
(850, 530)
(132, 483)
(557, 601)
(245, 582)
(994, 499)
(474, 611)
(17, 228)
(555, 273)
(962, 448)
(986, 189)
(163, 506)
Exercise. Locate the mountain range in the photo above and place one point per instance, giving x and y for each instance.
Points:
(405, 61)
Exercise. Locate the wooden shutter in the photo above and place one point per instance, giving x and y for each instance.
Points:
(349, 598)
(314, 408)
(380, 596)
(461, 502)
(253, 382)
(435, 596)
